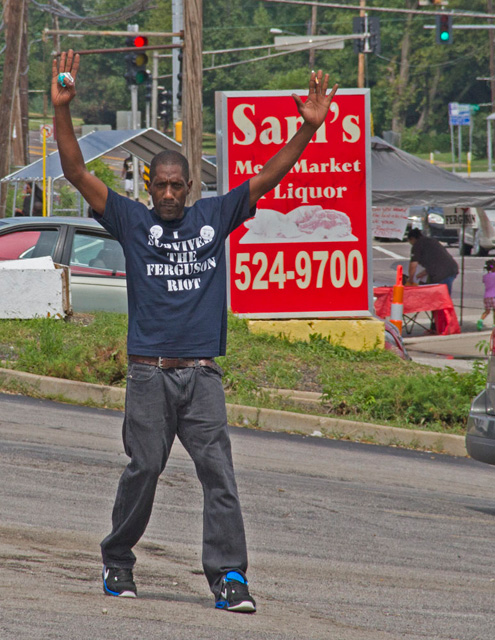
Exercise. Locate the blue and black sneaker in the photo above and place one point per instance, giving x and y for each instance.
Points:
(234, 595)
(118, 582)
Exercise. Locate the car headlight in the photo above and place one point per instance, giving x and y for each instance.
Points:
(435, 218)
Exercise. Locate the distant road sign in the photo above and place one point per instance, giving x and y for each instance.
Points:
(459, 114)
(459, 217)
(49, 132)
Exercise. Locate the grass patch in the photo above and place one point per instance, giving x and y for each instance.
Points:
(444, 160)
(87, 352)
(372, 386)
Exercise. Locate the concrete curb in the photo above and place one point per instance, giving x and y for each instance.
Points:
(456, 336)
(265, 419)
(61, 389)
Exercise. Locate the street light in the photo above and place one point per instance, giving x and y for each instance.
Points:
(295, 41)
(276, 31)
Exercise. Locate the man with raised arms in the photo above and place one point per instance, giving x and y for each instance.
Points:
(176, 283)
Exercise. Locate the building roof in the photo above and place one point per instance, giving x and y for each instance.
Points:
(143, 143)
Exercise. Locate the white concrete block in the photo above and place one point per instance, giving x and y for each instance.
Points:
(34, 288)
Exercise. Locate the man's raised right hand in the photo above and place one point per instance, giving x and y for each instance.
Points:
(68, 63)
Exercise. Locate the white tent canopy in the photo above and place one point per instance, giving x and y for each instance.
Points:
(400, 179)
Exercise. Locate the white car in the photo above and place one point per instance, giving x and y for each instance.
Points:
(480, 238)
(96, 260)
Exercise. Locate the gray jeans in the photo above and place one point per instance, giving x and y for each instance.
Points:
(189, 403)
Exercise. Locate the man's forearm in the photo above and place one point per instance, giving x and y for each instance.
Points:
(281, 163)
(71, 158)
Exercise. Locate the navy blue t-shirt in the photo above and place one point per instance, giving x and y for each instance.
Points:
(176, 273)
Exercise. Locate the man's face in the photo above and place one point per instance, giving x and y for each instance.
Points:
(169, 190)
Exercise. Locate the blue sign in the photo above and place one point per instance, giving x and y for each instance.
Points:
(459, 114)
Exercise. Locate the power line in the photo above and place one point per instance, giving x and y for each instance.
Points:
(333, 5)
(59, 10)
(295, 49)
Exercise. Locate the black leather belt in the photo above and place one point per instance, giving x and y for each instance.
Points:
(175, 363)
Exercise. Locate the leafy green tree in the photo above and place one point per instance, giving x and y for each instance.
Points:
(411, 81)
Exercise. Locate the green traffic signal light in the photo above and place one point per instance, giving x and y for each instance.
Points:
(141, 76)
(443, 25)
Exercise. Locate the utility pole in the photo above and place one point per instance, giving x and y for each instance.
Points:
(24, 87)
(491, 36)
(14, 22)
(177, 26)
(361, 56)
(314, 12)
(20, 115)
(154, 91)
(134, 28)
(192, 132)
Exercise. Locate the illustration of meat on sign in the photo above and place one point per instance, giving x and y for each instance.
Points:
(309, 223)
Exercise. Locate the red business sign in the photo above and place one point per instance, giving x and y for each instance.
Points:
(306, 253)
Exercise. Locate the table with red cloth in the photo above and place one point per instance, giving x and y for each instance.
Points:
(431, 298)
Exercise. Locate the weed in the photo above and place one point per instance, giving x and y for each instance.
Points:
(483, 347)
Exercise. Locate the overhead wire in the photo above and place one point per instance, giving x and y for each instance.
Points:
(431, 12)
(56, 8)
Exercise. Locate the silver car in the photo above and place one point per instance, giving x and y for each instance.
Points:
(480, 435)
(95, 258)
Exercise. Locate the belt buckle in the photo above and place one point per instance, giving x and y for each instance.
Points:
(160, 362)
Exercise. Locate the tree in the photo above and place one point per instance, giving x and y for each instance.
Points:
(14, 20)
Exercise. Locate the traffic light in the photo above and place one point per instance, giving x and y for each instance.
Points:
(443, 24)
(149, 91)
(136, 72)
(362, 25)
(165, 107)
(179, 78)
(374, 31)
(358, 28)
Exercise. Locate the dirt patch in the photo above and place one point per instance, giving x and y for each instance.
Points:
(83, 319)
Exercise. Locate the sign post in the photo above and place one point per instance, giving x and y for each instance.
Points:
(307, 253)
(459, 116)
(46, 135)
(460, 218)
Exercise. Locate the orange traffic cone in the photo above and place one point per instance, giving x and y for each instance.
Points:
(397, 306)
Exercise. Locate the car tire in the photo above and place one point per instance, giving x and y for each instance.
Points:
(465, 249)
(478, 250)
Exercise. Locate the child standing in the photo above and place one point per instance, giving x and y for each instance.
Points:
(489, 297)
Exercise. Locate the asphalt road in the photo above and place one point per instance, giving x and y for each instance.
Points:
(347, 541)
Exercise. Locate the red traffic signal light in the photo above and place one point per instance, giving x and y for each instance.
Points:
(140, 41)
(136, 72)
